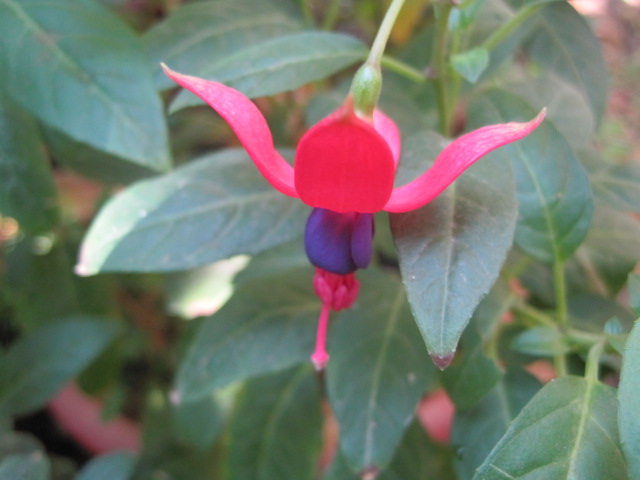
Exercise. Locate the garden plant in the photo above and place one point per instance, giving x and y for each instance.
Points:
(314, 240)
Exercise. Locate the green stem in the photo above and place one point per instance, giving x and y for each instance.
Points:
(441, 66)
(305, 6)
(380, 42)
(403, 69)
(534, 315)
(593, 362)
(560, 285)
(505, 30)
(331, 15)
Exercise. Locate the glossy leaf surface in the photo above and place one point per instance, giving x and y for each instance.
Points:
(272, 331)
(629, 403)
(378, 371)
(281, 64)
(39, 364)
(87, 76)
(567, 431)
(564, 43)
(276, 430)
(207, 210)
(553, 190)
(477, 430)
(451, 249)
(197, 35)
(27, 191)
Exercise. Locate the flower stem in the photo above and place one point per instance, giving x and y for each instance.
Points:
(442, 69)
(560, 285)
(593, 362)
(380, 42)
(403, 69)
(562, 316)
(331, 15)
(320, 356)
(506, 28)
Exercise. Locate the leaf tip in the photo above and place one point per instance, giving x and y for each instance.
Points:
(442, 361)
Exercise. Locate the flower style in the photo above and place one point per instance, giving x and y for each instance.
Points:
(344, 168)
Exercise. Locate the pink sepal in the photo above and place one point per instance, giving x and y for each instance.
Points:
(455, 159)
(249, 125)
(389, 131)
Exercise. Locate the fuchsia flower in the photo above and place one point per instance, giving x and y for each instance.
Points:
(344, 168)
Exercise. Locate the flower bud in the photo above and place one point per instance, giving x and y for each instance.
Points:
(365, 89)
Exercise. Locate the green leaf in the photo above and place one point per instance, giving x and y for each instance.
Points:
(27, 191)
(472, 374)
(608, 255)
(203, 290)
(281, 64)
(553, 189)
(88, 76)
(567, 431)
(629, 402)
(451, 250)
(617, 186)
(276, 430)
(418, 458)
(198, 422)
(111, 466)
(634, 292)
(540, 341)
(477, 430)
(34, 466)
(196, 35)
(470, 64)
(39, 364)
(567, 108)
(268, 325)
(378, 371)
(563, 43)
(206, 210)
(39, 281)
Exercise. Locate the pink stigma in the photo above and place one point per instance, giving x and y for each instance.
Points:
(337, 292)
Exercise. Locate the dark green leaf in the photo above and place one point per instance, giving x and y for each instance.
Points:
(276, 431)
(207, 210)
(268, 325)
(540, 341)
(470, 64)
(567, 431)
(87, 76)
(634, 292)
(92, 163)
(451, 250)
(40, 363)
(38, 282)
(477, 430)
(378, 371)
(563, 43)
(27, 191)
(553, 190)
(617, 186)
(609, 253)
(198, 422)
(111, 466)
(629, 402)
(418, 458)
(197, 35)
(472, 374)
(567, 108)
(281, 64)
